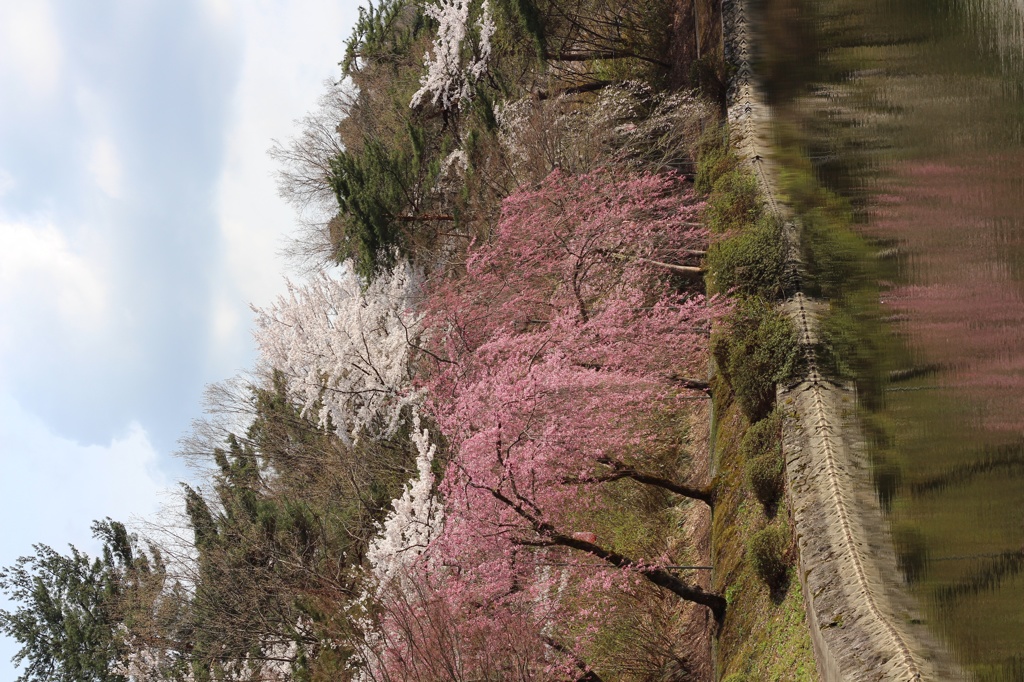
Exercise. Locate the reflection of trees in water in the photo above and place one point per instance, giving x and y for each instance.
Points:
(870, 83)
(960, 305)
(1008, 460)
(914, 113)
(987, 577)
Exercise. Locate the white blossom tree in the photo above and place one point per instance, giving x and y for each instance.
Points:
(346, 349)
(457, 62)
(415, 519)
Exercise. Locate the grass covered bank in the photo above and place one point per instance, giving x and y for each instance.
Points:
(764, 634)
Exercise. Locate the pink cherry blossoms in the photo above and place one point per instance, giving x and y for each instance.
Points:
(553, 361)
(552, 370)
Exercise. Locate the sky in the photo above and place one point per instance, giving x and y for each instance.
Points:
(138, 220)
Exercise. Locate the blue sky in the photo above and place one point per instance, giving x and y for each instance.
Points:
(138, 220)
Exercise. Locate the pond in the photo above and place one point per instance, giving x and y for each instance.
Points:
(910, 115)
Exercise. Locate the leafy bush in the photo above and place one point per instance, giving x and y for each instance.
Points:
(765, 476)
(756, 350)
(714, 159)
(763, 438)
(766, 551)
(735, 202)
(750, 261)
(764, 464)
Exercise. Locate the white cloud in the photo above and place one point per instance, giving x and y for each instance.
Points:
(30, 50)
(45, 282)
(287, 57)
(7, 182)
(55, 487)
(52, 488)
(219, 12)
(105, 167)
(230, 321)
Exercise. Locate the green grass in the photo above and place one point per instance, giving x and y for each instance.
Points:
(764, 635)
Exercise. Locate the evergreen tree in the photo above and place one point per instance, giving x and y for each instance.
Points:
(280, 539)
(71, 608)
(384, 196)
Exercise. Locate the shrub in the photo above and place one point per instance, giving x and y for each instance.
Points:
(736, 677)
(755, 350)
(763, 438)
(765, 476)
(761, 449)
(766, 551)
(839, 344)
(735, 202)
(714, 159)
(750, 262)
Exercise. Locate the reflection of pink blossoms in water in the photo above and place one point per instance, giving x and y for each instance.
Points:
(961, 229)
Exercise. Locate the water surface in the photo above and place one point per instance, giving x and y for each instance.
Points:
(913, 114)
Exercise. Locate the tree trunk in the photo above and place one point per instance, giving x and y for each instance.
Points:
(424, 218)
(587, 674)
(620, 471)
(693, 384)
(715, 602)
(575, 90)
(659, 576)
(688, 270)
(601, 54)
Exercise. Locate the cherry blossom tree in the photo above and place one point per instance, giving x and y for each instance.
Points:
(562, 344)
(416, 518)
(344, 349)
(419, 625)
(530, 436)
(457, 62)
(586, 260)
(554, 362)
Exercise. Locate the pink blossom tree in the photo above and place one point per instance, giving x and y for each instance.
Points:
(531, 437)
(553, 364)
(559, 348)
(585, 259)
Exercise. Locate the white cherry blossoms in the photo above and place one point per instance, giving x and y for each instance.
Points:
(346, 350)
(416, 519)
(453, 69)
